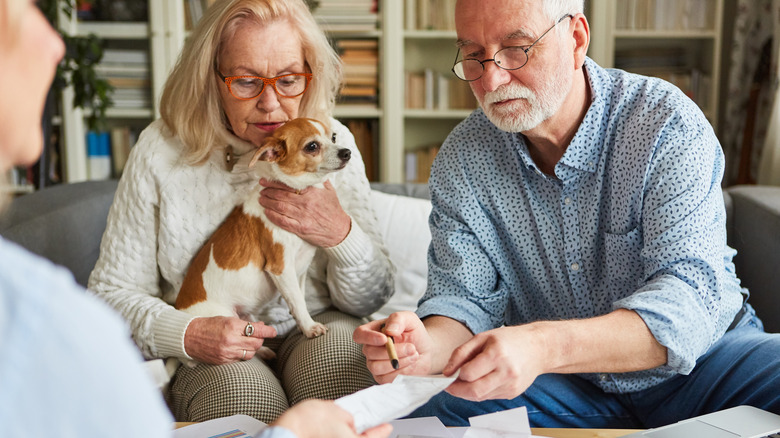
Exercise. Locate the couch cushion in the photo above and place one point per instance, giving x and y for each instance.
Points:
(403, 222)
(63, 223)
(755, 235)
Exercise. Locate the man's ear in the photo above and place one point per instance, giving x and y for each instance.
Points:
(580, 39)
(270, 151)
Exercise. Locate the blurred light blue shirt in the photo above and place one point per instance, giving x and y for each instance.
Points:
(633, 218)
(67, 365)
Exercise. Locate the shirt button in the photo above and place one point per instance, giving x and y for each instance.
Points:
(575, 266)
(603, 377)
(567, 200)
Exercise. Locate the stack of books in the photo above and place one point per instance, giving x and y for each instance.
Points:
(431, 90)
(417, 167)
(347, 15)
(429, 15)
(360, 59)
(127, 70)
(679, 15)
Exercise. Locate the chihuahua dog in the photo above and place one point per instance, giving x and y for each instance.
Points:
(248, 259)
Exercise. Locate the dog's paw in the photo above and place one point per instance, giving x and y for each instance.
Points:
(315, 330)
(265, 353)
(189, 363)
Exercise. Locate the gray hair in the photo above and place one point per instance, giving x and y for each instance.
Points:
(555, 9)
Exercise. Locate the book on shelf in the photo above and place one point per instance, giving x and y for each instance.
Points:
(366, 132)
(127, 70)
(98, 155)
(347, 15)
(360, 63)
(108, 150)
(434, 90)
(429, 14)
(665, 14)
(418, 162)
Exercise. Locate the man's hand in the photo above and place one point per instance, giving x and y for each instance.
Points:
(496, 364)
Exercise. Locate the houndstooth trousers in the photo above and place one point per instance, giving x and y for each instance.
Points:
(326, 367)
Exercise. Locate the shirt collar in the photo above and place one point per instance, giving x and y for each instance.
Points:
(584, 151)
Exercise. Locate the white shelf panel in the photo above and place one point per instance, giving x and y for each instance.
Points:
(452, 114)
(114, 30)
(430, 34)
(130, 113)
(357, 112)
(665, 34)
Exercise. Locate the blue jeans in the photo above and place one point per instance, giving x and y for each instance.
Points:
(743, 367)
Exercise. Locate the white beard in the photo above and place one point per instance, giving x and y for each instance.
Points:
(531, 109)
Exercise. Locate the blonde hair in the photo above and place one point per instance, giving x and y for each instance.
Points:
(190, 102)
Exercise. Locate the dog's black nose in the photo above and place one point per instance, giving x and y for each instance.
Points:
(345, 154)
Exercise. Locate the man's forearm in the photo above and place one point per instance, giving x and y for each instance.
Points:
(614, 343)
(447, 334)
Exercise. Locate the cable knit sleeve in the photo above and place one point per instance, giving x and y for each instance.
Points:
(359, 271)
(126, 274)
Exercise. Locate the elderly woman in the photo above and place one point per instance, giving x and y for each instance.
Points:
(248, 67)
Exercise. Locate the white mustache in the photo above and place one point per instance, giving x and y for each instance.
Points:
(507, 92)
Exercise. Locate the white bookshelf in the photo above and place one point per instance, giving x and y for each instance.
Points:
(690, 30)
(162, 36)
(400, 129)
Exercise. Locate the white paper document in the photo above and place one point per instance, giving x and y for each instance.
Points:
(234, 426)
(383, 403)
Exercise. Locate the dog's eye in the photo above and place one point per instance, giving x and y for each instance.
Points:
(333, 138)
(311, 147)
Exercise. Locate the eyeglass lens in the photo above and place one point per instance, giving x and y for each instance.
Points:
(510, 58)
(248, 87)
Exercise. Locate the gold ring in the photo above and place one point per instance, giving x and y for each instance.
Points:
(243, 356)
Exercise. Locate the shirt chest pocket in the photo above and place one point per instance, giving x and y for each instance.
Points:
(624, 261)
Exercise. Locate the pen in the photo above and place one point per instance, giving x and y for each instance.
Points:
(390, 346)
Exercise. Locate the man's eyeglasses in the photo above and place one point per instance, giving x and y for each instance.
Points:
(249, 87)
(509, 58)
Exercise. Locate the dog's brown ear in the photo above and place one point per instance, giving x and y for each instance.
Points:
(270, 151)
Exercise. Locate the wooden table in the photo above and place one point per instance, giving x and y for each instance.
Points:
(553, 433)
(582, 433)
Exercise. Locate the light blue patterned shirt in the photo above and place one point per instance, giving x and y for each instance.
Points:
(67, 365)
(633, 219)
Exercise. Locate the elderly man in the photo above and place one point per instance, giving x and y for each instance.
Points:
(579, 264)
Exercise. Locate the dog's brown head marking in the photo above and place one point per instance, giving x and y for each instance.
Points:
(302, 145)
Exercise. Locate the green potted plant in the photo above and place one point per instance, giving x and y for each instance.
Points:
(77, 68)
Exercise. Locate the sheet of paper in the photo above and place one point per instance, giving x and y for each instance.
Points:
(424, 427)
(512, 423)
(234, 426)
(383, 403)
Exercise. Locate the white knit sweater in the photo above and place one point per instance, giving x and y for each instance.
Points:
(164, 210)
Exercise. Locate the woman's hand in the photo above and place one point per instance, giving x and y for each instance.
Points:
(219, 340)
(324, 419)
(313, 214)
